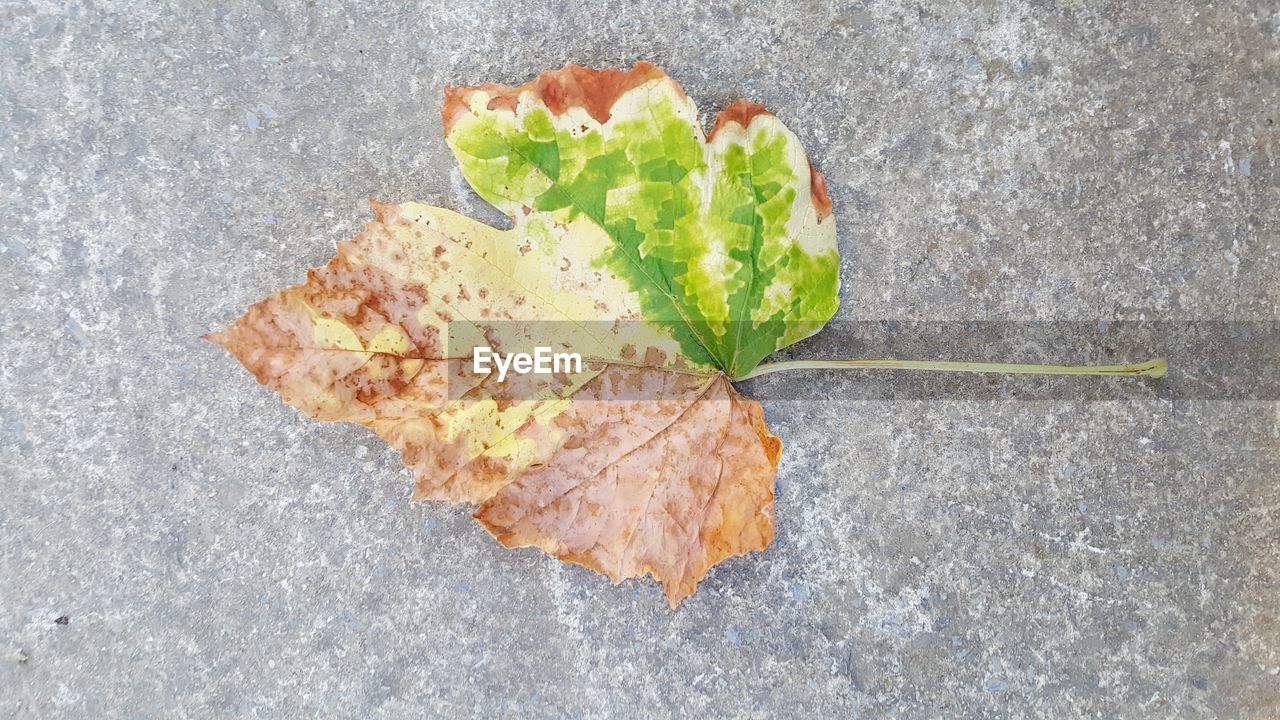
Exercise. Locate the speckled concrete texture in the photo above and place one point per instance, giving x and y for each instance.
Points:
(176, 542)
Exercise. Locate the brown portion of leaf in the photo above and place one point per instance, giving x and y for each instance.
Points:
(668, 488)
(644, 470)
(818, 191)
(275, 341)
(741, 112)
(571, 86)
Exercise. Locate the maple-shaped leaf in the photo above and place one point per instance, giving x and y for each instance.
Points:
(669, 260)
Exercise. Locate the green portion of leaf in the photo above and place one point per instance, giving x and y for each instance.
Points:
(720, 240)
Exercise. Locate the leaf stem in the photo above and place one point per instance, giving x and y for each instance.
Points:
(1151, 368)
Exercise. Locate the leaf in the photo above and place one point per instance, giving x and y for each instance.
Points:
(669, 262)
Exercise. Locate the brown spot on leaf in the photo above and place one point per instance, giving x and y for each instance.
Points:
(818, 191)
(741, 112)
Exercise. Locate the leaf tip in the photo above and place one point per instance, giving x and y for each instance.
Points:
(741, 112)
(454, 106)
(818, 191)
(217, 337)
(383, 213)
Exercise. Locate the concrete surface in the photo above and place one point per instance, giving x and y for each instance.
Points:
(176, 542)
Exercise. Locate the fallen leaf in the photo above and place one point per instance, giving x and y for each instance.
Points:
(669, 261)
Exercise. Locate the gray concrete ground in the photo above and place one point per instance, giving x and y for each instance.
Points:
(176, 542)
